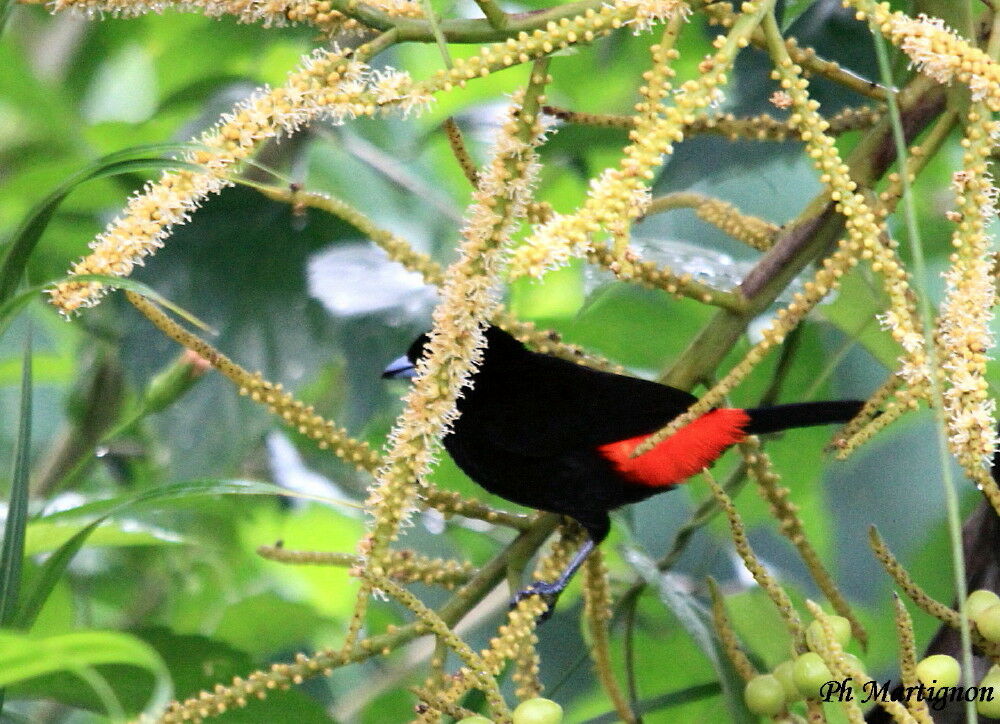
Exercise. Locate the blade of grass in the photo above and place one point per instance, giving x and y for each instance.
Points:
(12, 555)
(151, 294)
(10, 308)
(51, 572)
(19, 249)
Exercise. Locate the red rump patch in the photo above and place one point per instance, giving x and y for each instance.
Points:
(688, 451)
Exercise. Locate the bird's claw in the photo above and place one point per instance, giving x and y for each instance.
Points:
(548, 592)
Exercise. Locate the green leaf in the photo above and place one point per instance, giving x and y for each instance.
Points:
(195, 663)
(56, 564)
(664, 701)
(299, 624)
(559, 295)
(123, 88)
(696, 620)
(46, 537)
(617, 319)
(23, 243)
(185, 492)
(50, 574)
(12, 556)
(260, 302)
(854, 311)
(10, 308)
(6, 6)
(24, 657)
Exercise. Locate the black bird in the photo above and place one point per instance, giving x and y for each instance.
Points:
(556, 436)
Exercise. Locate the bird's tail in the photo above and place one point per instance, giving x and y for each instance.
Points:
(800, 414)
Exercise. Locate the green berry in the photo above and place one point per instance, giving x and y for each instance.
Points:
(841, 631)
(475, 719)
(538, 711)
(988, 623)
(990, 708)
(764, 695)
(939, 670)
(979, 601)
(784, 672)
(810, 673)
(854, 661)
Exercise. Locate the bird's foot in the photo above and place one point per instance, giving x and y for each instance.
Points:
(548, 592)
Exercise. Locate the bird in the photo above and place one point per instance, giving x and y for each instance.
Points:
(558, 436)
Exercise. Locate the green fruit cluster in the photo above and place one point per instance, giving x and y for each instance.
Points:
(983, 608)
(531, 711)
(803, 676)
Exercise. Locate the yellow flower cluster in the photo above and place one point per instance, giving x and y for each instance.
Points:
(561, 550)
(334, 85)
(511, 636)
(515, 641)
(556, 35)
(936, 50)
(278, 677)
(963, 331)
(760, 573)
(269, 13)
(527, 664)
(304, 419)
(331, 84)
(456, 340)
(767, 128)
(752, 231)
(407, 566)
(293, 412)
(864, 240)
(621, 194)
(753, 128)
(864, 229)
(629, 266)
(650, 12)
(784, 511)
(597, 614)
(727, 635)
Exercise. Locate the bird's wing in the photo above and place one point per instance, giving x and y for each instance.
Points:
(557, 406)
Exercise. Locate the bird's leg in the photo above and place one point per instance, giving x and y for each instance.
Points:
(549, 591)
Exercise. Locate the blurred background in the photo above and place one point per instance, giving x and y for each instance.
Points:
(311, 303)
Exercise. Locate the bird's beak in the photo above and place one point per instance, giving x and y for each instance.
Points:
(398, 369)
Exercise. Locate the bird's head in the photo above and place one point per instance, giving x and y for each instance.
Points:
(499, 345)
(406, 366)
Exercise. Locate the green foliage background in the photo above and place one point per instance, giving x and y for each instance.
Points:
(182, 574)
